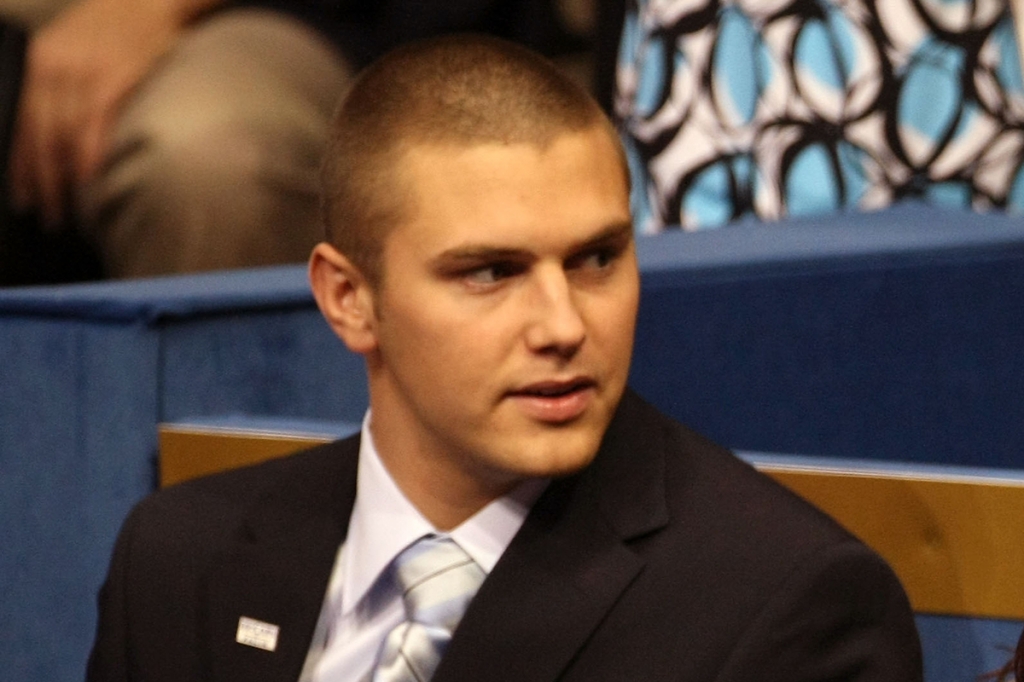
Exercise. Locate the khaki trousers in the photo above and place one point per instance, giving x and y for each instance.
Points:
(214, 160)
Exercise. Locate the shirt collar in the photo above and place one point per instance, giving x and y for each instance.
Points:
(384, 522)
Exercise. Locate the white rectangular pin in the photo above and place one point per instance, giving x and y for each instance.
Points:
(256, 633)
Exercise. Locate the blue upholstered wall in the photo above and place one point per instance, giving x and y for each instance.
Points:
(86, 373)
(894, 335)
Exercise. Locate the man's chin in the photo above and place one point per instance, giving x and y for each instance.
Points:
(563, 455)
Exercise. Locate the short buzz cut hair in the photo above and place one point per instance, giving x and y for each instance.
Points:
(457, 90)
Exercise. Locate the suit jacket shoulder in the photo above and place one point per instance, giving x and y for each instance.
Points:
(191, 560)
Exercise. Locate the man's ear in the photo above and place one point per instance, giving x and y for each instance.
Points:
(345, 298)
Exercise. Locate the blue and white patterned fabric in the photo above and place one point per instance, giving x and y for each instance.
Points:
(774, 108)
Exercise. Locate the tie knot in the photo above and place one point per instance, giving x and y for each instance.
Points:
(438, 580)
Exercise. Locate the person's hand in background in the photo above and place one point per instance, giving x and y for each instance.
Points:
(79, 69)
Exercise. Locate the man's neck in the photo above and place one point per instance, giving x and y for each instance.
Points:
(445, 498)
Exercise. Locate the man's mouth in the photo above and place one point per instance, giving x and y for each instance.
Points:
(555, 401)
(554, 389)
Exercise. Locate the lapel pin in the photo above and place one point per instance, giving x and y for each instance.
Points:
(256, 633)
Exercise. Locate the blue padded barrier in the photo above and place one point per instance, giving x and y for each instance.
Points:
(86, 373)
(893, 335)
(959, 649)
(887, 335)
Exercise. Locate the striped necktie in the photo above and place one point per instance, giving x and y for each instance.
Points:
(438, 580)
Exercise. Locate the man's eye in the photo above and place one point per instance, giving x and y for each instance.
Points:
(490, 274)
(597, 260)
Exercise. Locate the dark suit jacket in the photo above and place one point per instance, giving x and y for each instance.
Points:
(667, 559)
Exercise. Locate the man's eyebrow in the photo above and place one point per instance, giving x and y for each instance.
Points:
(618, 232)
(474, 253)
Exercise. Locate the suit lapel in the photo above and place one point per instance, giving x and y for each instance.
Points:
(276, 573)
(567, 566)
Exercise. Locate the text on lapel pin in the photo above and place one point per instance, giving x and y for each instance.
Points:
(256, 633)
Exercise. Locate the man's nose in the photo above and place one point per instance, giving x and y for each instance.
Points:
(555, 323)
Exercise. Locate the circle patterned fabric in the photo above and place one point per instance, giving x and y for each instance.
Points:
(774, 108)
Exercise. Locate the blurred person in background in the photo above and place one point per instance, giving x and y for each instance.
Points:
(184, 135)
(734, 110)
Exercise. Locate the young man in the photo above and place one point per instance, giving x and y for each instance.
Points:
(480, 257)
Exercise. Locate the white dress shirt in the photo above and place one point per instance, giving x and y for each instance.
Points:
(359, 610)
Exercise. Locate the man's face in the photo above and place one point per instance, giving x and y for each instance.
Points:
(504, 323)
